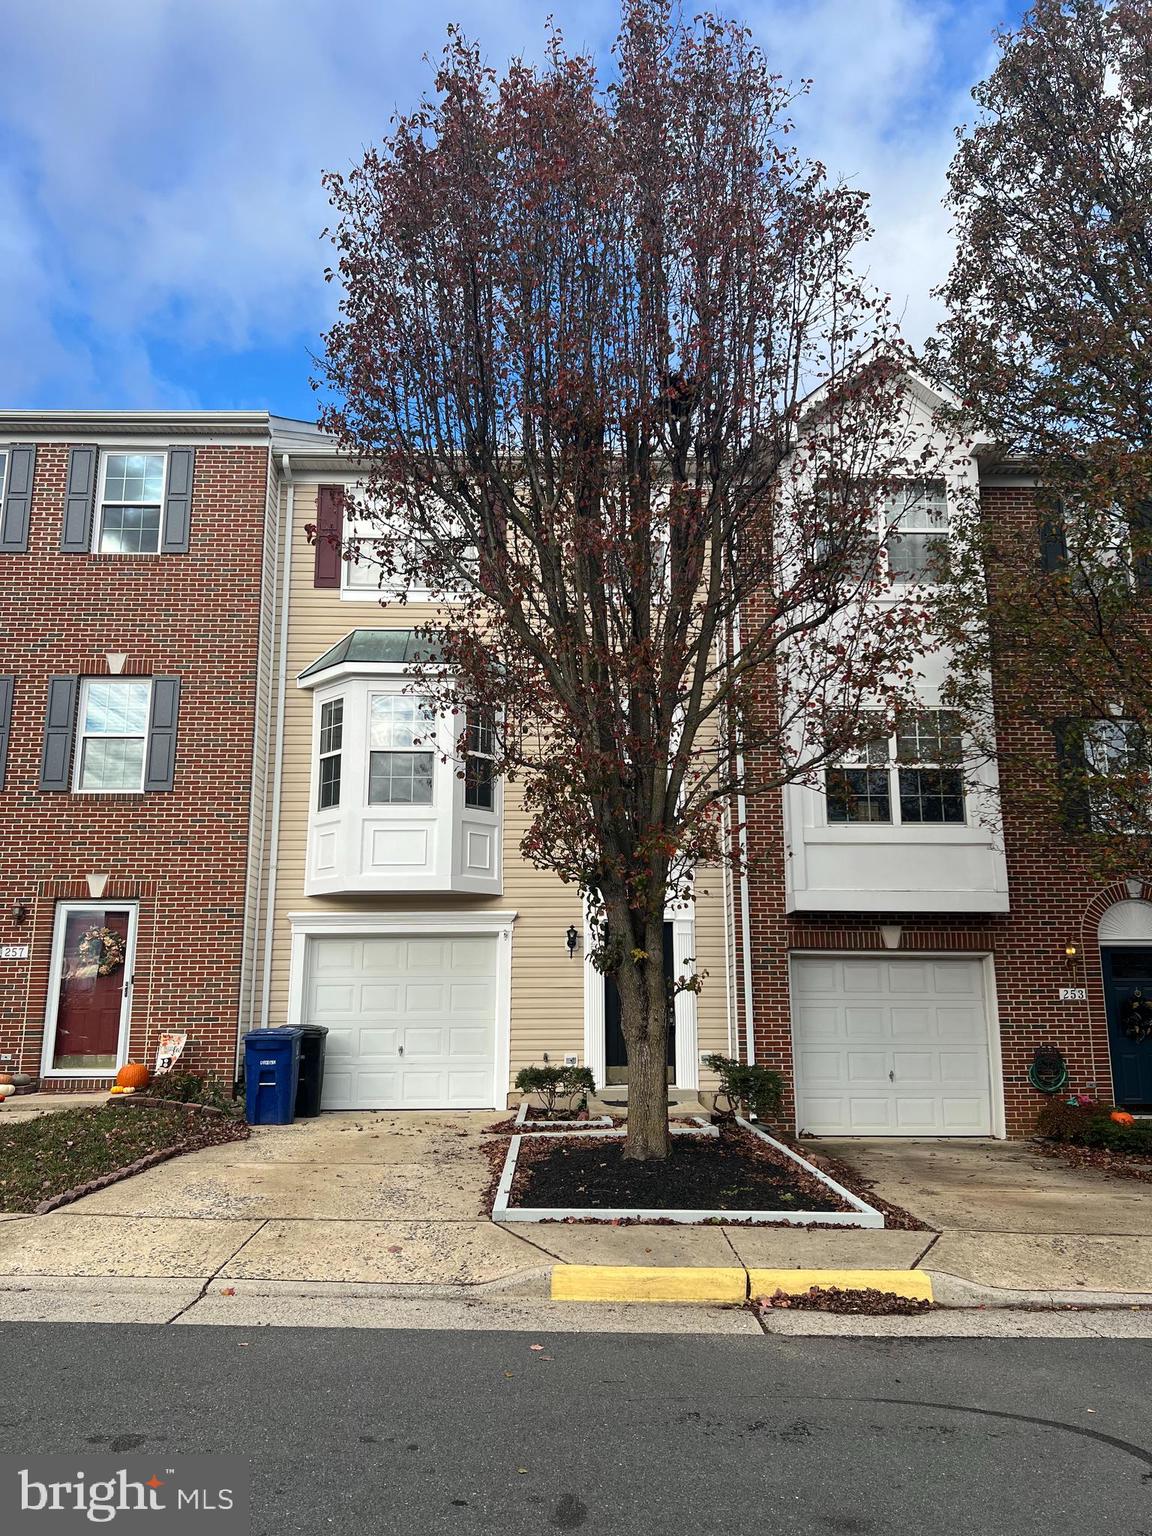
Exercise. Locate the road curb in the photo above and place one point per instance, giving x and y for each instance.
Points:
(640, 1282)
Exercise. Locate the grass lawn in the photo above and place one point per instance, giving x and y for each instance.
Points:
(54, 1152)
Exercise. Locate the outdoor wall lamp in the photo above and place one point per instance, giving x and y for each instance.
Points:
(20, 912)
(572, 938)
(1070, 953)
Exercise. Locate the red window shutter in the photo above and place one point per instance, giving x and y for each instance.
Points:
(329, 533)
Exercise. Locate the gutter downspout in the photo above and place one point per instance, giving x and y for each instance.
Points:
(278, 748)
(745, 920)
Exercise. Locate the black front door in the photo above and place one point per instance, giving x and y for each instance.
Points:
(615, 1051)
(1128, 994)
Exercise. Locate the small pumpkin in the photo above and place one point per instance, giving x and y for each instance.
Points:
(133, 1074)
(1122, 1117)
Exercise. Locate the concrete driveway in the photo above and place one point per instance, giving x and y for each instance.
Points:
(375, 1199)
(1010, 1217)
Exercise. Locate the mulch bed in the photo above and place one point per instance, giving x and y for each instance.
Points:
(734, 1172)
(57, 1157)
(832, 1299)
(1120, 1164)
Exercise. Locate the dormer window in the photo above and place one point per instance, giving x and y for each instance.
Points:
(400, 766)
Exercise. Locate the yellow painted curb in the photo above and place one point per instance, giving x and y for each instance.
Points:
(912, 1283)
(639, 1282)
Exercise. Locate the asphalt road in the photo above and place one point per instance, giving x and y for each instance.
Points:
(424, 1432)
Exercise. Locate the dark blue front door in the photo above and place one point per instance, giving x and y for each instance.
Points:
(615, 1050)
(1128, 994)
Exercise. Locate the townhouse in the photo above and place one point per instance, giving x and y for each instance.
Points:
(222, 810)
(134, 662)
(910, 952)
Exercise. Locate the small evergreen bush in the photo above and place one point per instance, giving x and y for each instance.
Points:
(554, 1084)
(755, 1092)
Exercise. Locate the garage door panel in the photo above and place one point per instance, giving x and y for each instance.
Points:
(861, 978)
(869, 1112)
(925, 1021)
(867, 1067)
(823, 1067)
(821, 1023)
(377, 957)
(906, 976)
(412, 1021)
(865, 1024)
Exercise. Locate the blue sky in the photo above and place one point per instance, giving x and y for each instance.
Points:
(160, 167)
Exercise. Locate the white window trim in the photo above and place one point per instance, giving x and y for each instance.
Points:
(321, 755)
(5, 455)
(892, 768)
(79, 737)
(433, 749)
(888, 528)
(685, 1004)
(306, 925)
(64, 910)
(101, 496)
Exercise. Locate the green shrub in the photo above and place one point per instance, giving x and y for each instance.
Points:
(190, 1088)
(1090, 1124)
(755, 1092)
(553, 1084)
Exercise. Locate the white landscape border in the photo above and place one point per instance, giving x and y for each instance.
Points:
(861, 1214)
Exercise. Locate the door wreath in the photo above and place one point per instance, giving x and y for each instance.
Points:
(100, 952)
(1136, 1020)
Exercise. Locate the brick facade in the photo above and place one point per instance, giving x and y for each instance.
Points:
(182, 854)
(1056, 900)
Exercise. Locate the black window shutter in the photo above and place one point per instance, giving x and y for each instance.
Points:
(1140, 522)
(15, 512)
(81, 488)
(329, 534)
(1053, 543)
(1072, 775)
(7, 685)
(178, 502)
(59, 731)
(160, 763)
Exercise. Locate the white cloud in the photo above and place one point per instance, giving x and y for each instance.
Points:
(160, 161)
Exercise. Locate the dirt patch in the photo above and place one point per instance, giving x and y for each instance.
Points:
(831, 1298)
(732, 1172)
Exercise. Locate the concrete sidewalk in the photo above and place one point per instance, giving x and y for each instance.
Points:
(379, 1205)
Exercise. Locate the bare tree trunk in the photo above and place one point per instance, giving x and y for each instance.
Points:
(644, 1007)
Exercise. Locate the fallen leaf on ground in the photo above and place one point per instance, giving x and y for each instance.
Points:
(229, 1290)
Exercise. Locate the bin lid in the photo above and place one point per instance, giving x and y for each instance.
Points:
(312, 1029)
(284, 1032)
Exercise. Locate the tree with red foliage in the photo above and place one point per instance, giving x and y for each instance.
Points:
(1048, 345)
(625, 408)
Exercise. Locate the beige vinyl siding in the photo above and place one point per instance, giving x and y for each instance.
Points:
(547, 985)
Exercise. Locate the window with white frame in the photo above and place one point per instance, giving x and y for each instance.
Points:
(916, 529)
(131, 503)
(479, 761)
(401, 756)
(331, 752)
(112, 734)
(1116, 768)
(910, 776)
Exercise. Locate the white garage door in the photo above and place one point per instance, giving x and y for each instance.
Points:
(891, 1047)
(411, 1021)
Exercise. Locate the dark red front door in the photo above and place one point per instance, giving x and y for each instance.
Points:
(90, 1002)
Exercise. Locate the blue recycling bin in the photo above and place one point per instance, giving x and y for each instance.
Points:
(271, 1074)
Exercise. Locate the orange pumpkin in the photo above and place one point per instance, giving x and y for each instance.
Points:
(133, 1074)
(1122, 1117)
